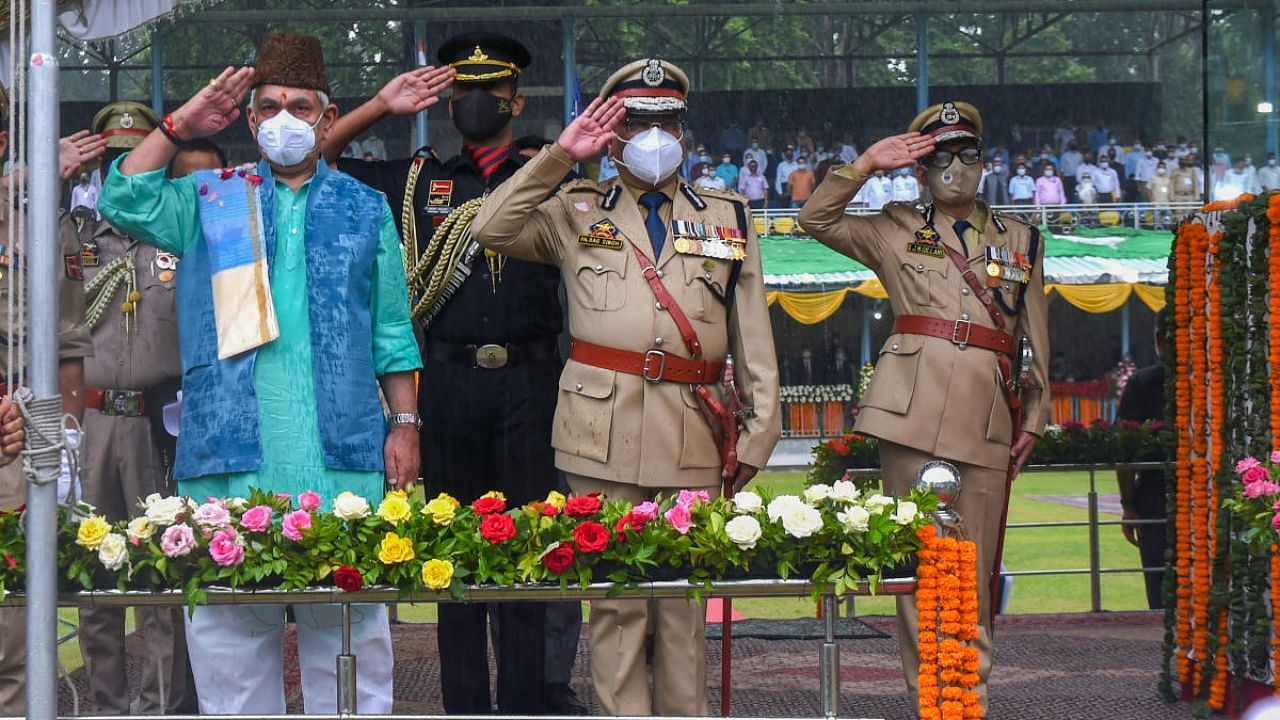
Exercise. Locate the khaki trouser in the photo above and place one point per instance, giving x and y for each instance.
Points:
(618, 630)
(121, 465)
(980, 504)
(13, 621)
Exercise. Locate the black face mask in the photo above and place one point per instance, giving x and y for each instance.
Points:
(479, 115)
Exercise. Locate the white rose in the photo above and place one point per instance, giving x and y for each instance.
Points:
(906, 513)
(745, 501)
(854, 519)
(844, 491)
(350, 506)
(817, 492)
(238, 504)
(150, 500)
(113, 552)
(877, 503)
(140, 529)
(165, 511)
(801, 521)
(744, 531)
(779, 505)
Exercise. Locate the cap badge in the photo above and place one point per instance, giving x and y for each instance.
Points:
(126, 121)
(950, 115)
(478, 56)
(653, 74)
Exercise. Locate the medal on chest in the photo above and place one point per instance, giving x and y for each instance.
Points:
(166, 266)
(713, 241)
(1004, 264)
(89, 256)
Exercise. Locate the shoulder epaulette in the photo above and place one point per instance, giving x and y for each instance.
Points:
(722, 195)
(583, 185)
(693, 197)
(426, 151)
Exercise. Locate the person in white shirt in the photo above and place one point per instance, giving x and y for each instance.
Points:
(1107, 182)
(1022, 187)
(1235, 182)
(84, 195)
(1132, 158)
(1111, 148)
(1269, 174)
(786, 166)
(877, 192)
(1085, 166)
(1251, 174)
(756, 154)
(906, 188)
(709, 180)
(1085, 190)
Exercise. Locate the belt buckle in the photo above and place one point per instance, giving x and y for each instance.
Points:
(124, 403)
(648, 363)
(491, 357)
(955, 332)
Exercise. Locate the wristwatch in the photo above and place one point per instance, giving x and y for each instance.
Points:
(413, 419)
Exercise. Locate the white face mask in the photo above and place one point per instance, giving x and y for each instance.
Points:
(652, 156)
(1049, 172)
(285, 139)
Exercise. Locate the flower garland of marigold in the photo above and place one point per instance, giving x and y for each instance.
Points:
(1200, 558)
(947, 606)
(1182, 340)
(1217, 412)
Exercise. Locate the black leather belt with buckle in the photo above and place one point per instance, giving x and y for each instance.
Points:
(492, 356)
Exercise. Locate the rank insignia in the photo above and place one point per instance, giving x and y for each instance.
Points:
(604, 229)
(440, 193)
(75, 271)
(932, 249)
(89, 254)
(927, 235)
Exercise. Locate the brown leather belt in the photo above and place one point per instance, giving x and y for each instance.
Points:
(652, 365)
(960, 332)
(124, 403)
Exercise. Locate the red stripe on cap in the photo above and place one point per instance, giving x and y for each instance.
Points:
(950, 128)
(125, 131)
(649, 92)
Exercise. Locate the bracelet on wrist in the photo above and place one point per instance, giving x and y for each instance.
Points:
(168, 129)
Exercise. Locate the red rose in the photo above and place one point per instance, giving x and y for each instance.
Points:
(548, 509)
(497, 528)
(591, 537)
(348, 578)
(631, 520)
(840, 447)
(8, 560)
(582, 506)
(560, 559)
(488, 505)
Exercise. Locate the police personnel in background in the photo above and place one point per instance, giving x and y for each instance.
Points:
(74, 344)
(127, 454)
(663, 282)
(489, 349)
(938, 391)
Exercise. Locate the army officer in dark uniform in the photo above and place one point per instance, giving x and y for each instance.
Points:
(491, 362)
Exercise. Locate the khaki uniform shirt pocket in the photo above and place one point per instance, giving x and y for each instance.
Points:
(707, 281)
(925, 280)
(1000, 420)
(601, 278)
(584, 413)
(894, 380)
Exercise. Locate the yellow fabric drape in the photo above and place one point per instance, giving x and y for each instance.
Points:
(1151, 295)
(1100, 298)
(811, 308)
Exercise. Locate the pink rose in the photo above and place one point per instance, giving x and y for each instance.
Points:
(1275, 456)
(309, 501)
(1261, 489)
(689, 498)
(680, 518)
(294, 523)
(1256, 474)
(225, 548)
(285, 496)
(1247, 464)
(178, 540)
(647, 510)
(256, 518)
(212, 514)
(1275, 521)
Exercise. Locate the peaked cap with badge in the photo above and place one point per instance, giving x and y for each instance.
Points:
(292, 60)
(951, 120)
(124, 124)
(650, 86)
(484, 57)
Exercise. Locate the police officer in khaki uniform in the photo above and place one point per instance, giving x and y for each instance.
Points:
(628, 424)
(938, 390)
(73, 346)
(134, 372)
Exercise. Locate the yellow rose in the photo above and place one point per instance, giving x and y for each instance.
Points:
(437, 574)
(93, 530)
(139, 529)
(453, 501)
(394, 508)
(440, 510)
(555, 500)
(495, 494)
(395, 549)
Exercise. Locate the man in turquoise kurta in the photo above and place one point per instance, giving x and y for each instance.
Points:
(295, 406)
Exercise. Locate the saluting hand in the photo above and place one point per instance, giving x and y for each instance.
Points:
(416, 90)
(894, 152)
(12, 431)
(216, 106)
(77, 149)
(591, 131)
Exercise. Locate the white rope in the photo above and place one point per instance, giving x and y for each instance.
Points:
(48, 437)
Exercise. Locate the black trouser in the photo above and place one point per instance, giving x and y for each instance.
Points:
(490, 430)
(1149, 497)
(756, 204)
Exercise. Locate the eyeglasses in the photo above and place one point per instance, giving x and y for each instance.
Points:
(943, 158)
(636, 125)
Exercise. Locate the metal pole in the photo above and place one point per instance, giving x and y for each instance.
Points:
(570, 53)
(1095, 576)
(420, 42)
(830, 660)
(864, 350)
(1268, 24)
(42, 488)
(1205, 166)
(157, 71)
(346, 667)
(1125, 320)
(922, 62)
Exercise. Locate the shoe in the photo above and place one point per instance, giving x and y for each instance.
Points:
(560, 699)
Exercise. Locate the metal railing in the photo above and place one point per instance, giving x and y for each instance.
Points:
(1094, 523)
(1138, 215)
(829, 652)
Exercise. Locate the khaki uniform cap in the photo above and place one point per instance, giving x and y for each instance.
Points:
(952, 120)
(651, 86)
(124, 124)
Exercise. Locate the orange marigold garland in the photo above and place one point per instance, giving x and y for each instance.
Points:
(1182, 338)
(947, 606)
(1217, 412)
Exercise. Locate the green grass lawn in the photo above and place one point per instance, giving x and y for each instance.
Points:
(1025, 549)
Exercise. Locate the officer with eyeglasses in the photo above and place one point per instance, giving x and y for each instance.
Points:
(965, 284)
